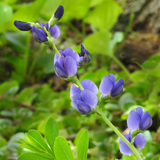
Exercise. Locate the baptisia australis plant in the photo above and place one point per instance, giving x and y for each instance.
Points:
(84, 94)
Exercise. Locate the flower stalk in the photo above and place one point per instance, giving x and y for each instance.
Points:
(134, 150)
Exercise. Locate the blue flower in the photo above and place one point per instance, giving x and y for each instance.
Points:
(137, 120)
(23, 26)
(86, 99)
(85, 56)
(139, 143)
(59, 12)
(66, 65)
(41, 36)
(108, 86)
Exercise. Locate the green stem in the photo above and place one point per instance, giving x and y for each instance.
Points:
(134, 150)
(51, 40)
(76, 82)
(55, 48)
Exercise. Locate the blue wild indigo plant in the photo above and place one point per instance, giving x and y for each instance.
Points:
(85, 98)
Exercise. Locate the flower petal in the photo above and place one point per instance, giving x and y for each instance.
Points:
(42, 24)
(133, 120)
(89, 85)
(60, 70)
(112, 77)
(74, 90)
(72, 53)
(74, 99)
(118, 88)
(83, 108)
(56, 57)
(89, 98)
(106, 86)
(55, 31)
(146, 121)
(123, 147)
(70, 65)
(23, 26)
(139, 110)
(139, 141)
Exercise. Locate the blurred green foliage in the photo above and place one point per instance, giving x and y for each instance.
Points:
(30, 92)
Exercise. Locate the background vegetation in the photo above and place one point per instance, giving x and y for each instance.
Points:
(30, 92)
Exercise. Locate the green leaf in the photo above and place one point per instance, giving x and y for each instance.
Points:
(104, 15)
(33, 142)
(51, 131)
(78, 136)
(49, 8)
(3, 142)
(82, 146)
(137, 76)
(126, 100)
(149, 64)
(71, 7)
(26, 95)
(18, 39)
(117, 38)
(5, 12)
(156, 157)
(62, 149)
(9, 88)
(32, 156)
(98, 42)
(38, 137)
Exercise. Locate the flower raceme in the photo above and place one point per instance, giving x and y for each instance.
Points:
(38, 33)
(139, 143)
(137, 120)
(84, 100)
(108, 86)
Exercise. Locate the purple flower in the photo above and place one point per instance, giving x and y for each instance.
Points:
(59, 12)
(86, 99)
(66, 65)
(85, 56)
(41, 36)
(109, 86)
(139, 120)
(23, 26)
(139, 143)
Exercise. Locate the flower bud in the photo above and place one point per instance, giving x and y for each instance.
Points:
(85, 56)
(59, 12)
(56, 16)
(23, 26)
